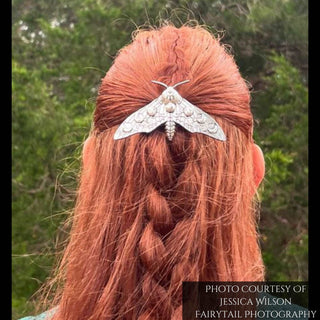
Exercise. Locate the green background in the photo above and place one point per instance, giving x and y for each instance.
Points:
(62, 49)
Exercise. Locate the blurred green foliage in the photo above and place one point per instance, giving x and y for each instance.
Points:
(283, 135)
(62, 49)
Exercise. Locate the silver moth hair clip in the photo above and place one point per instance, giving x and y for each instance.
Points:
(170, 108)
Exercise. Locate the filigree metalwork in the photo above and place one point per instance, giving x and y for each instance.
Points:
(170, 109)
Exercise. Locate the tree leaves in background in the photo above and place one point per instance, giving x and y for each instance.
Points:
(283, 135)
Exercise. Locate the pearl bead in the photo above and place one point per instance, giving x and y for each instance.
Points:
(139, 117)
(151, 111)
(127, 127)
(188, 112)
(170, 107)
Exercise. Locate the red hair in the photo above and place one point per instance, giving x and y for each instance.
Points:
(152, 213)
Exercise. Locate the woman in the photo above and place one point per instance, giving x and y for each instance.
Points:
(163, 201)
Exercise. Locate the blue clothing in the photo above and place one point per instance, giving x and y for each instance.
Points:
(43, 316)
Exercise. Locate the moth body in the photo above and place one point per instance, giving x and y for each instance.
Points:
(170, 127)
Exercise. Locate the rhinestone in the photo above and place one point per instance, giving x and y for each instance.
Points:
(200, 118)
(213, 128)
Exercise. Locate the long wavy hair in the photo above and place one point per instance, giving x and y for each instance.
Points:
(152, 213)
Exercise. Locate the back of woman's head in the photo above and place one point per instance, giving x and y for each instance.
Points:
(150, 212)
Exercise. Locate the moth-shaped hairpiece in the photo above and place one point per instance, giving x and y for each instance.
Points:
(170, 109)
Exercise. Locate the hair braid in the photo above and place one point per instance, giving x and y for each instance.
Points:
(168, 245)
(160, 177)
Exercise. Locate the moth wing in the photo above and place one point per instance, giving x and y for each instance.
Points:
(194, 119)
(146, 119)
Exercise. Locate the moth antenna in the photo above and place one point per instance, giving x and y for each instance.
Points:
(181, 82)
(161, 83)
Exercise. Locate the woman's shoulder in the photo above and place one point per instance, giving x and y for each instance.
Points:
(47, 315)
